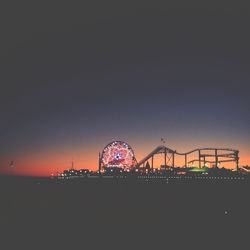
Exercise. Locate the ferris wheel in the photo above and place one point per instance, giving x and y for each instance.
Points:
(118, 154)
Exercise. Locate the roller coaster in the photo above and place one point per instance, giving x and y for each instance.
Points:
(214, 156)
(118, 160)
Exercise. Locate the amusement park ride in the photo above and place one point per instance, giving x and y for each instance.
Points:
(214, 156)
(118, 159)
(120, 154)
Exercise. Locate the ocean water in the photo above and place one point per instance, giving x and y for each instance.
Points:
(43, 213)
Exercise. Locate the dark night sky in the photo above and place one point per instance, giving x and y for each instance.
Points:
(76, 76)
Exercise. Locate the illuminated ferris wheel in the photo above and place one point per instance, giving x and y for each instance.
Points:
(118, 154)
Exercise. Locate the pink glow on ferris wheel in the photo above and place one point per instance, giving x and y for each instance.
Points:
(118, 154)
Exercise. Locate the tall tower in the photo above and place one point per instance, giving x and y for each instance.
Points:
(72, 165)
(99, 163)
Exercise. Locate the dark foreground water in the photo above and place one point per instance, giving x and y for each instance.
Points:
(94, 214)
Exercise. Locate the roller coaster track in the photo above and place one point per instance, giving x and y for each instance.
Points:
(230, 154)
(244, 169)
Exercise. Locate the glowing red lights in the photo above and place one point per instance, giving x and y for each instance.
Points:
(118, 154)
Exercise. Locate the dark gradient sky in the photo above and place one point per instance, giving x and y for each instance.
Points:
(75, 77)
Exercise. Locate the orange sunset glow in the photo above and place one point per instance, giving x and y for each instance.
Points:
(56, 160)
